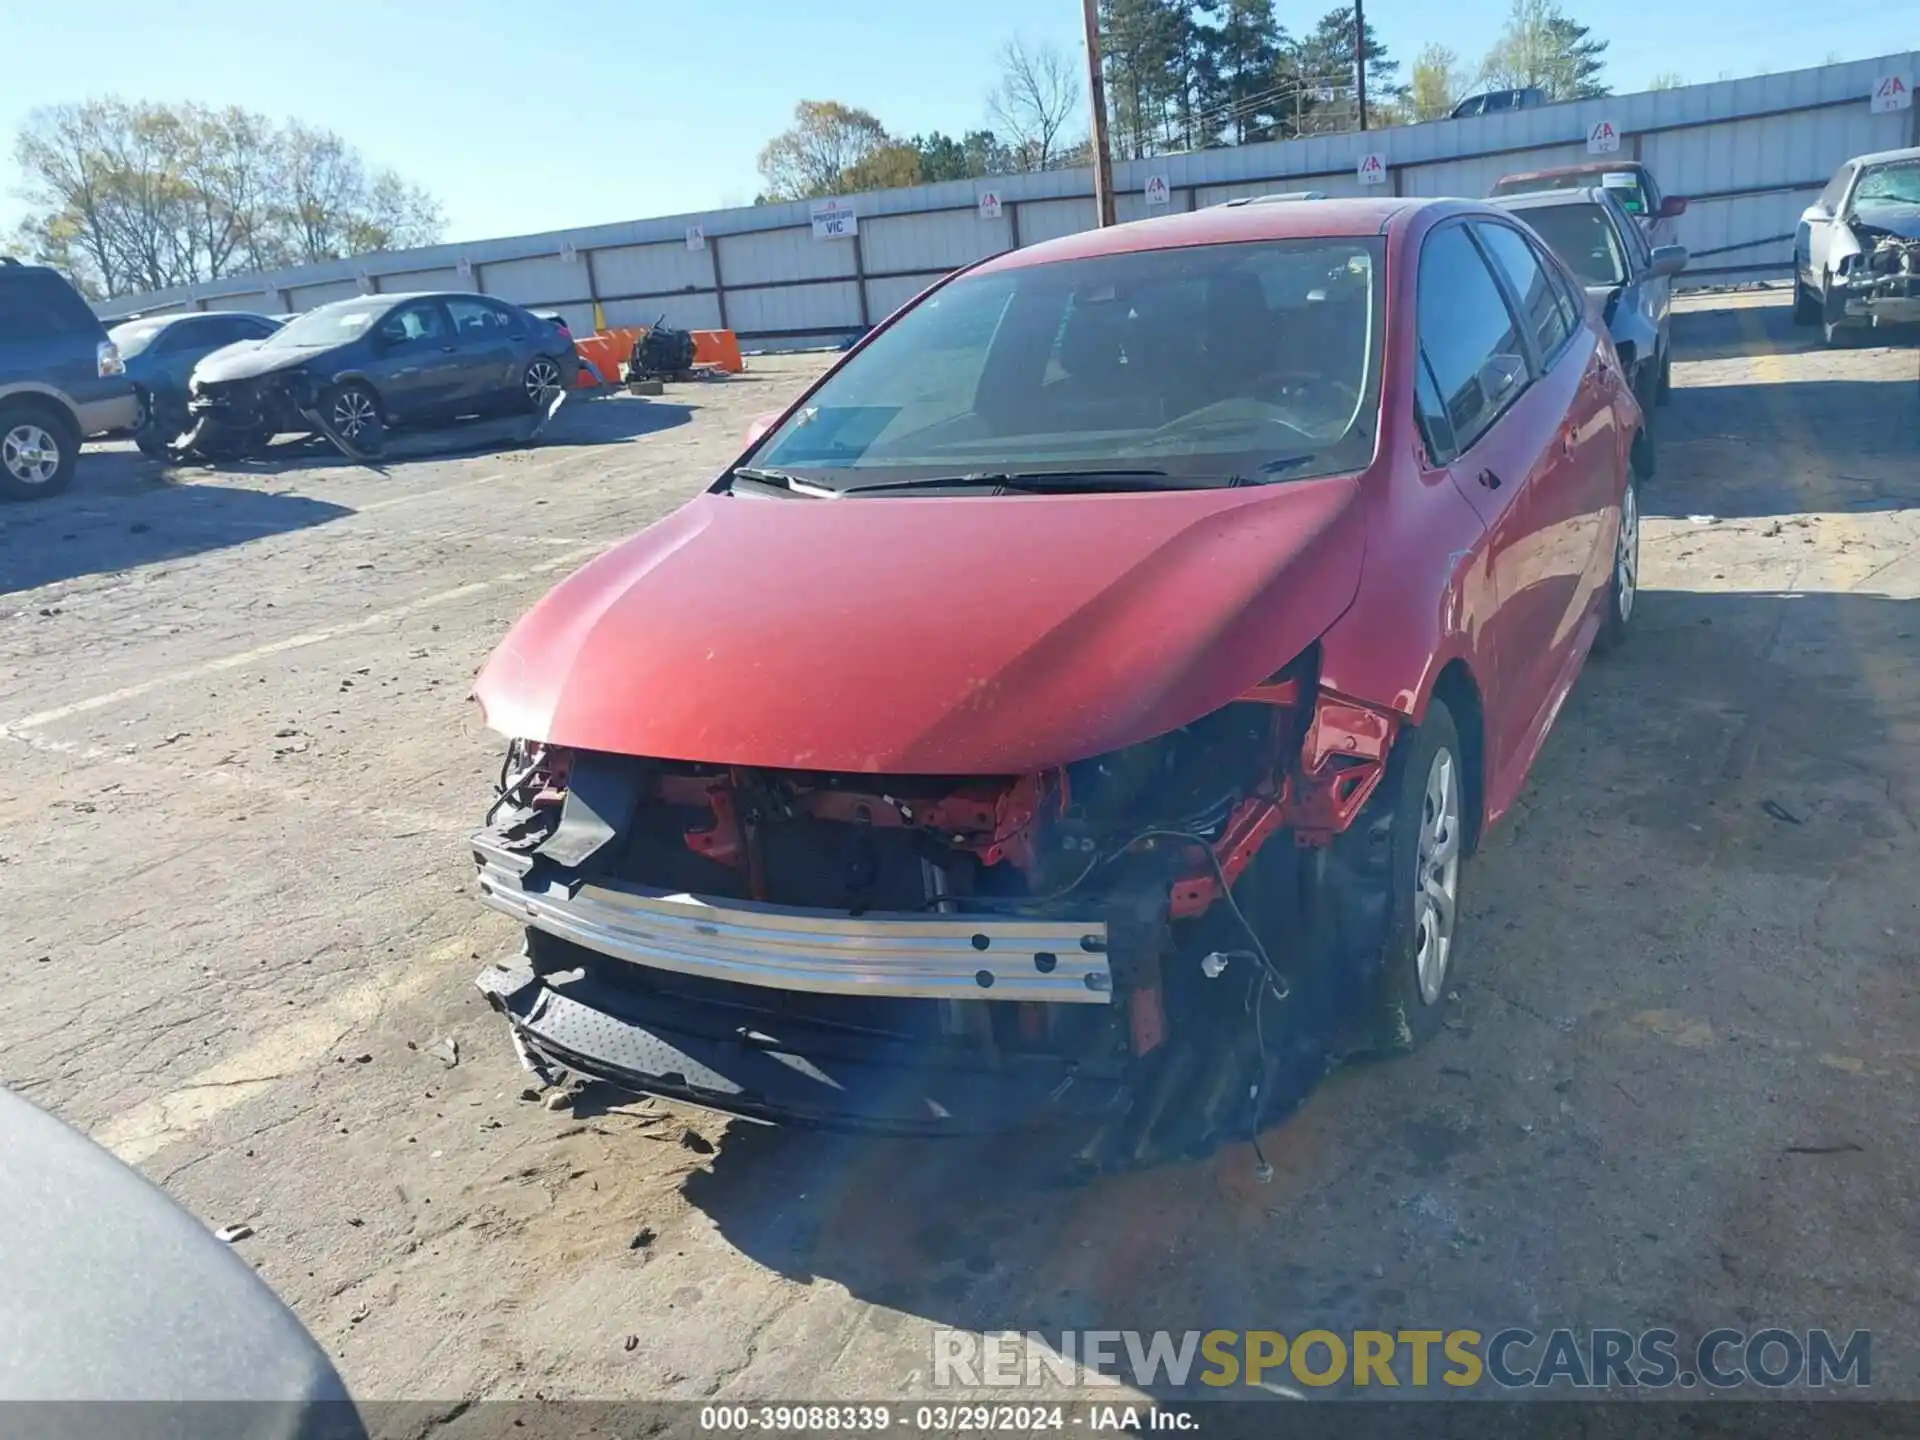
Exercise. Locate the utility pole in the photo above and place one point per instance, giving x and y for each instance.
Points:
(1360, 54)
(1097, 95)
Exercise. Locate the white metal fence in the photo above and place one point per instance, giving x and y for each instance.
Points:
(1749, 154)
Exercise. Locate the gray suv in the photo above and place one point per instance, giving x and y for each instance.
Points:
(61, 380)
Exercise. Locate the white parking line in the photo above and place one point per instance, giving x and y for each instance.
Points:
(294, 642)
(279, 1054)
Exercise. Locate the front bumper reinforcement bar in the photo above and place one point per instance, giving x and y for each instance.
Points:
(909, 956)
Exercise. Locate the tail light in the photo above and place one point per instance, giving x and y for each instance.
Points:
(107, 355)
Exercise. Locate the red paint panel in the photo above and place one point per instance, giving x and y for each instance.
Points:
(960, 635)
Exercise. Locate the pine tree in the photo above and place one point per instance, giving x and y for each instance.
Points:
(1244, 42)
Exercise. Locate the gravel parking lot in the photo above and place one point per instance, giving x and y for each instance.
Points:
(1678, 1086)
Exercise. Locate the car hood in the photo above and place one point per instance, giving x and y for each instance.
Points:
(1895, 217)
(937, 635)
(248, 358)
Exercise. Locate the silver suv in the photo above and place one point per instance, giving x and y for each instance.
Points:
(61, 380)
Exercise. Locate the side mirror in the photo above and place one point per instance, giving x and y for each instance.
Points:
(1673, 207)
(1668, 260)
(1499, 376)
(1816, 214)
(761, 424)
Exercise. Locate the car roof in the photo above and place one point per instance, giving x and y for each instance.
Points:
(1221, 225)
(1882, 157)
(1585, 167)
(1542, 199)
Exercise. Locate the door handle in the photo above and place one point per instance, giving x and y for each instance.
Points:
(1488, 479)
(1566, 443)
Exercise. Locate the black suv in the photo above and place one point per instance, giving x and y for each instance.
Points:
(61, 380)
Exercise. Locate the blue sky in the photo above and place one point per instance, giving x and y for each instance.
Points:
(531, 116)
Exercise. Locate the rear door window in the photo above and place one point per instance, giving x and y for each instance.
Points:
(1532, 282)
(1470, 337)
(414, 324)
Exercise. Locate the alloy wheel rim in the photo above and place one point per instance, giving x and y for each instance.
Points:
(352, 413)
(30, 453)
(1626, 559)
(543, 381)
(1436, 876)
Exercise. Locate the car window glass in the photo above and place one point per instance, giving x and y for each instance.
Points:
(1435, 427)
(1251, 360)
(1890, 185)
(1583, 237)
(1468, 333)
(1636, 241)
(476, 319)
(223, 330)
(1572, 301)
(1532, 282)
(411, 324)
(1836, 187)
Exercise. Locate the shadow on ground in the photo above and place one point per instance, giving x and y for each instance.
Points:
(603, 420)
(1754, 445)
(1740, 330)
(1624, 1120)
(89, 533)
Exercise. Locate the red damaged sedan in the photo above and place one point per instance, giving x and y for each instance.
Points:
(1078, 706)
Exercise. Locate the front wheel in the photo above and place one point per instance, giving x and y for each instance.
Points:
(1426, 790)
(540, 383)
(1624, 585)
(1663, 391)
(1835, 332)
(155, 426)
(1806, 305)
(352, 410)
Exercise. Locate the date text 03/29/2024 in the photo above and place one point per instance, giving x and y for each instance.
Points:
(939, 1419)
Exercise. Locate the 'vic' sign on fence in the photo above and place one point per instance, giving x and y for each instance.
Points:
(834, 220)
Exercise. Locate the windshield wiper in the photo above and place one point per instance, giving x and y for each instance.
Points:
(1042, 482)
(784, 480)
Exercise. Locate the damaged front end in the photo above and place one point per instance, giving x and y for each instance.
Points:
(1880, 282)
(231, 418)
(1142, 944)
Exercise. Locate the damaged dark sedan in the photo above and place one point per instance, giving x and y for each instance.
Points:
(1079, 704)
(357, 368)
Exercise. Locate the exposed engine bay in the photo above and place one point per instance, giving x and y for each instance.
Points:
(1883, 279)
(1125, 941)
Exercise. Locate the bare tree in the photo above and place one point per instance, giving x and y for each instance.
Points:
(1034, 103)
(129, 196)
(811, 156)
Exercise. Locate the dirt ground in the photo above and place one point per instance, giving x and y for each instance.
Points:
(1678, 1085)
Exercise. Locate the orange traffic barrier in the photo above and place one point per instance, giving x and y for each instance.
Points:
(718, 347)
(609, 349)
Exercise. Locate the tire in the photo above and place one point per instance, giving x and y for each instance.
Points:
(1623, 588)
(1806, 305)
(38, 449)
(1663, 390)
(1423, 808)
(149, 432)
(540, 382)
(1646, 389)
(1835, 332)
(354, 409)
